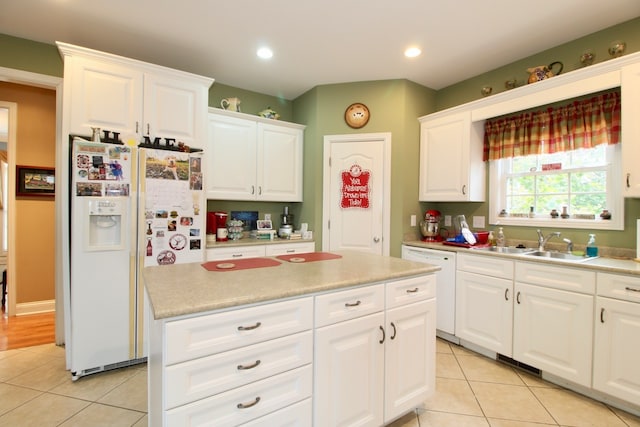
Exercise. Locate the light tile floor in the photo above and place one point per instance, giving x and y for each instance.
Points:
(471, 390)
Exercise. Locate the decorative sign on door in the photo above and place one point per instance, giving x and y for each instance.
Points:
(355, 188)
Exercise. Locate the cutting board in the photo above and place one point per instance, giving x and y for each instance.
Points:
(466, 245)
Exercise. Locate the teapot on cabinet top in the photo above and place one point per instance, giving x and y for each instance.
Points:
(231, 104)
(542, 72)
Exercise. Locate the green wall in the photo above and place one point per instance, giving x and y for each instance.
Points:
(395, 106)
(569, 54)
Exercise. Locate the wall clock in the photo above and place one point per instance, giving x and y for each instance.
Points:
(356, 115)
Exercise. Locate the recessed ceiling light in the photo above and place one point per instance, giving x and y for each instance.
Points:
(265, 53)
(412, 52)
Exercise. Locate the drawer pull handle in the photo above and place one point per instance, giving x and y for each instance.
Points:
(412, 291)
(246, 367)
(249, 328)
(632, 289)
(291, 251)
(383, 335)
(602, 315)
(506, 294)
(249, 405)
(518, 297)
(236, 256)
(352, 304)
(394, 331)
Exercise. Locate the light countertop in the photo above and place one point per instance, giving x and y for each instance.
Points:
(182, 289)
(605, 264)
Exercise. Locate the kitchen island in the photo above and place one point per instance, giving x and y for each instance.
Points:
(265, 346)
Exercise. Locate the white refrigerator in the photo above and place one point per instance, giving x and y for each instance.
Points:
(130, 208)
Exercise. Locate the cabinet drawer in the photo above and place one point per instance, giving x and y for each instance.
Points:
(619, 286)
(406, 291)
(298, 415)
(565, 278)
(259, 398)
(235, 252)
(487, 265)
(349, 304)
(214, 333)
(206, 376)
(290, 248)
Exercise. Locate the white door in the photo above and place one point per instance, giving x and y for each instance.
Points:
(356, 193)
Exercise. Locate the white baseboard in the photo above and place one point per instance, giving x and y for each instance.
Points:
(35, 307)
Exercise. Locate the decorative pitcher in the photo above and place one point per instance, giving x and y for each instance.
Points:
(231, 104)
(543, 72)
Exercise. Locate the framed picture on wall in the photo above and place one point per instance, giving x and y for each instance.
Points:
(35, 181)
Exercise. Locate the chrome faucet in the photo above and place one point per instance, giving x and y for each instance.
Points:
(569, 245)
(543, 240)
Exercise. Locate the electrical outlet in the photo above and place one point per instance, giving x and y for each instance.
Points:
(413, 220)
(478, 222)
(447, 220)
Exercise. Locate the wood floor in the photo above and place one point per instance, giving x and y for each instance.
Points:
(26, 331)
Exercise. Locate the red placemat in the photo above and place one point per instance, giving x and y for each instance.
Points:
(309, 257)
(240, 264)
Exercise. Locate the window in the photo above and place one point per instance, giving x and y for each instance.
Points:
(525, 189)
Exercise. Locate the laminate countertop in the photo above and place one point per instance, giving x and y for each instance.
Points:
(183, 289)
(601, 263)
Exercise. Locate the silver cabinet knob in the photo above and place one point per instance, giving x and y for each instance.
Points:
(376, 239)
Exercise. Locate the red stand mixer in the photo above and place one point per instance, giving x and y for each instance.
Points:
(430, 227)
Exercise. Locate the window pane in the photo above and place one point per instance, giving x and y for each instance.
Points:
(519, 204)
(588, 203)
(589, 157)
(589, 182)
(523, 164)
(521, 185)
(546, 203)
(553, 183)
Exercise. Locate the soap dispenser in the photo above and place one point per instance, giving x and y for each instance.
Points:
(500, 241)
(592, 249)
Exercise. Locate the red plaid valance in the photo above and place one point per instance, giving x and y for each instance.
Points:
(581, 124)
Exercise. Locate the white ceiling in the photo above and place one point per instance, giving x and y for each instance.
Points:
(316, 42)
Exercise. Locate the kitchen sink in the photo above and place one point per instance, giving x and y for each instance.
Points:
(505, 249)
(562, 256)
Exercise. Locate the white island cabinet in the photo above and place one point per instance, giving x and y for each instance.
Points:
(133, 98)
(373, 364)
(341, 342)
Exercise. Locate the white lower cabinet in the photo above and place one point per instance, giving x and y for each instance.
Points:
(484, 302)
(232, 367)
(553, 320)
(616, 370)
(374, 361)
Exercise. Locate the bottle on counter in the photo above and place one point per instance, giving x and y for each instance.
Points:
(592, 249)
(491, 239)
(500, 240)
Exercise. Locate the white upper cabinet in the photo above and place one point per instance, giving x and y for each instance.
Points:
(133, 98)
(631, 130)
(451, 166)
(250, 158)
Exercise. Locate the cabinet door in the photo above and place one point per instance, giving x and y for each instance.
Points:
(349, 371)
(630, 129)
(175, 108)
(104, 95)
(484, 311)
(615, 366)
(231, 158)
(279, 163)
(409, 357)
(553, 331)
(450, 153)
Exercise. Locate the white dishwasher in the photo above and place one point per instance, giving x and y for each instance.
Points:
(445, 286)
